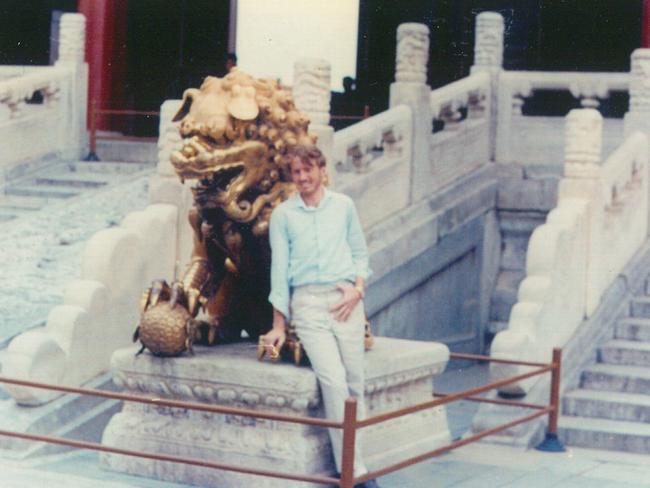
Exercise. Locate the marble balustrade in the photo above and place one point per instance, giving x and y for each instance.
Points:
(57, 126)
(599, 223)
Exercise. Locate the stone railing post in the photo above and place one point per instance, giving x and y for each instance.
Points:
(169, 138)
(583, 180)
(638, 115)
(312, 94)
(583, 143)
(488, 57)
(72, 39)
(410, 88)
(165, 187)
(72, 45)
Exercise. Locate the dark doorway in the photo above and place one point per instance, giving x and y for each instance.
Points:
(25, 30)
(172, 46)
(568, 35)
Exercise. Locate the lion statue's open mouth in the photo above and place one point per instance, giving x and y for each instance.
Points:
(236, 132)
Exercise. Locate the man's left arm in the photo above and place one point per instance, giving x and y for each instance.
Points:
(353, 294)
(357, 243)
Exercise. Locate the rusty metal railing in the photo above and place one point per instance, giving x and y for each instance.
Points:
(93, 136)
(95, 112)
(350, 424)
(365, 115)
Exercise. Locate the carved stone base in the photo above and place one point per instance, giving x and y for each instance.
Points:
(398, 372)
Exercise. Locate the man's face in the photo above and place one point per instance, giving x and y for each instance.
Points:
(308, 178)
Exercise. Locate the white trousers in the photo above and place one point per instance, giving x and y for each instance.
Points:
(336, 351)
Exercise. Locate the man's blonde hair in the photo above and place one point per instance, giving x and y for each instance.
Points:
(307, 154)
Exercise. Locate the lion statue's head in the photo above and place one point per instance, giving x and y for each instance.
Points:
(237, 130)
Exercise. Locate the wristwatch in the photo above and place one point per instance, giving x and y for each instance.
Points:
(362, 293)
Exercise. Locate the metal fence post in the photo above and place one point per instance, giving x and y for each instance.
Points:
(551, 443)
(92, 154)
(349, 439)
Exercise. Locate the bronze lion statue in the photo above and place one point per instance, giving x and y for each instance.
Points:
(237, 131)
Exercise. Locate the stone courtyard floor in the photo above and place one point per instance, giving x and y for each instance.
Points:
(474, 466)
(40, 253)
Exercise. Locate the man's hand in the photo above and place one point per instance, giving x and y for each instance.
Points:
(274, 339)
(344, 307)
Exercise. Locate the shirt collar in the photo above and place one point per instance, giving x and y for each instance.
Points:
(301, 204)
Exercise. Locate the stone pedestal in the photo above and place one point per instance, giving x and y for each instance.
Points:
(398, 372)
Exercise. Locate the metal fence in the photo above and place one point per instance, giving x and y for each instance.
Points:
(350, 424)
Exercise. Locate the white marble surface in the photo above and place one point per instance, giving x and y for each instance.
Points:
(41, 253)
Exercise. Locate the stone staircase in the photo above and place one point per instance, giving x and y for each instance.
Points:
(611, 409)
(59, 181)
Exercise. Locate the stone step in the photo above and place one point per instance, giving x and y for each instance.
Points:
(73, 180)
(607, 405)
(633, 329)
(125, 168)
(614, 435)
(81, 417)
(15, 202)
(620, 351)
(88, 427)
(40, 191)
(614, 377)
(7, 213)
(640, 307)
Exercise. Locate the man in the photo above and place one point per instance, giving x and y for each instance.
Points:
(318, 271)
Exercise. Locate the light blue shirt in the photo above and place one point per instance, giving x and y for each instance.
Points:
(314, 245)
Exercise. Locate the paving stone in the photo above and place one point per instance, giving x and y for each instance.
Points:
(34, 190)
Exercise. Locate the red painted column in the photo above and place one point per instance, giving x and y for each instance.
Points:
(106, 54)
(645, 28)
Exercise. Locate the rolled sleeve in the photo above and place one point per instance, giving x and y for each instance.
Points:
(357, 243)
(279, 240)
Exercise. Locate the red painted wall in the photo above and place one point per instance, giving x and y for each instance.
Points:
(645, 33)
(106, 55)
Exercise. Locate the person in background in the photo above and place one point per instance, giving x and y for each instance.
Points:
(346, 103)
(231, 62)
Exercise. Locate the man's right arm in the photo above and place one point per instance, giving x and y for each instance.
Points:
(279, 296)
